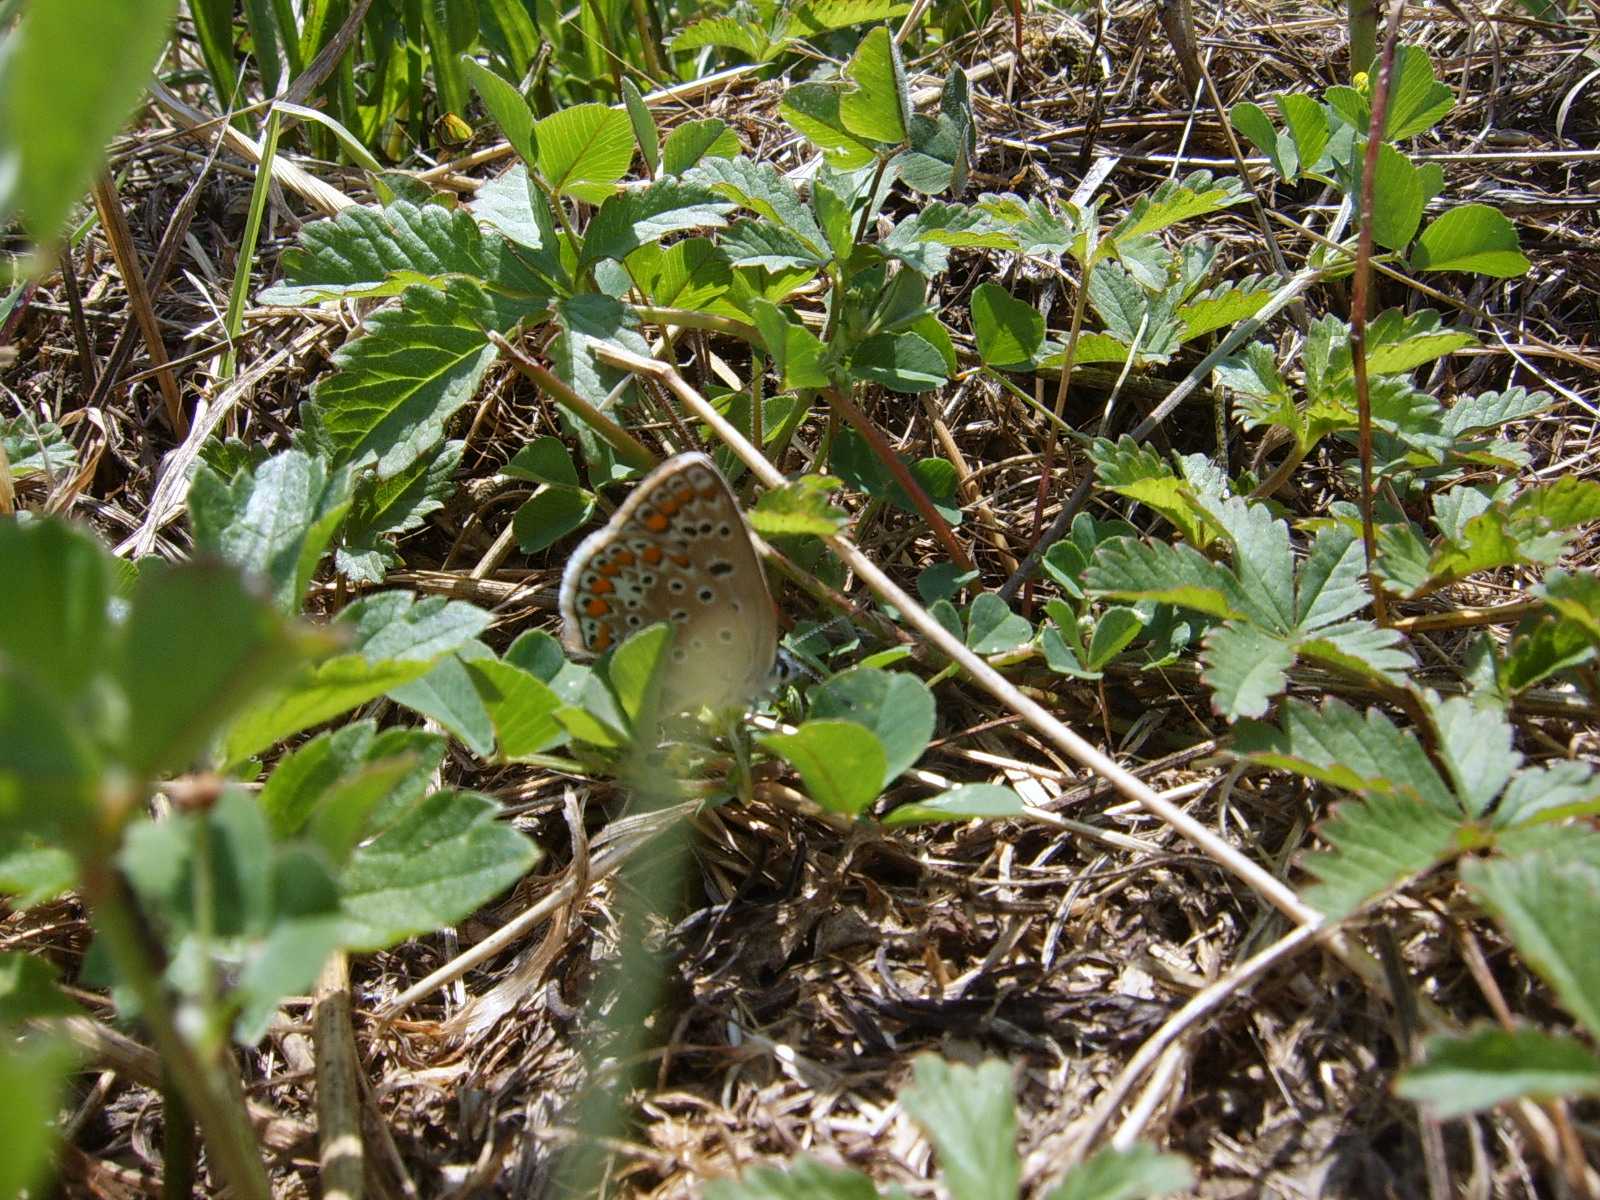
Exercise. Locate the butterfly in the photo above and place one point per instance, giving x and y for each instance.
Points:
(677, 550)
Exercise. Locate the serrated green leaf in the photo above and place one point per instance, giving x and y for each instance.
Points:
(1197, 195)
(396, 387)
(821, 16)
(1378, 844)
(639, 216)
(1551, 792)
(1360, 648)
(799, 507)
(1261, 561)
(386, 508)
(372, 252)
(1549, 904)
(1475, 748)
(273, 522)
(725, 33)
(397, 626)
(446, 694)
(840, 762)
(315, 695)
(1489, 410)
(445, 859)
(762, 189)
(34, 447)
(1245, 667)
(795, 351)
(1224, 305)
(1127, 569)
(1490, 1066)
(583, 150)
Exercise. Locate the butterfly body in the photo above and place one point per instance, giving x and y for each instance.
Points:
(677, 550)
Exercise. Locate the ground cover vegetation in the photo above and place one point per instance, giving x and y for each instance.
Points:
(1169, 437)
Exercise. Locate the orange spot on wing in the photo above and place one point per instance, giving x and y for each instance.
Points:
(656, 522)
(601, 587)
(602, 638)
(651, 555)
(596, 607)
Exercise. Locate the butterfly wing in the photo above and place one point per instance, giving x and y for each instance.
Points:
(678, 550)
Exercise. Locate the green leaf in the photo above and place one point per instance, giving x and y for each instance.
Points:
(902, 362)
(841, 763)
(53, 622)
(762, 189)
(969, 1115)
(1489, 410)
(584, 150)
(895, 706)
(644, 126)
(31, 874)
(1009, 331)
(1552, 792)
(1335, 744)
(1252, 121)
(506, 105)
(1549, 904)
(446, 694)
(273, 522)
(877, 107)
(992, 628)
(48, 770)
(66, 94)
(1132, 570)
(821, 16)
(197, 645)
(803, 1179)
(969, 801)
(1475, 747)
(548, 516)
(1308, 125)
(814, 111)
(316, 695)
(443, 860)
(33, 1081)
(1226, 304)
(1141, 474)
(1130, 1174)
(1378, 844)
(691, 273)
(34, 447)
(1472, 237)
(1397, 199)
(301, 780)
(1261, 561)
(1490, 1066)
(397, 387)
(522, 707)
(638, 216)
(371, 252)
(795, 351)
(588, 322)
(1197, 195)
(1360, 648)
(1245, 667)
(728, 33)
(398, 627)
(693, 141)
(799, 507)
(383, 509)
(1416, 100)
